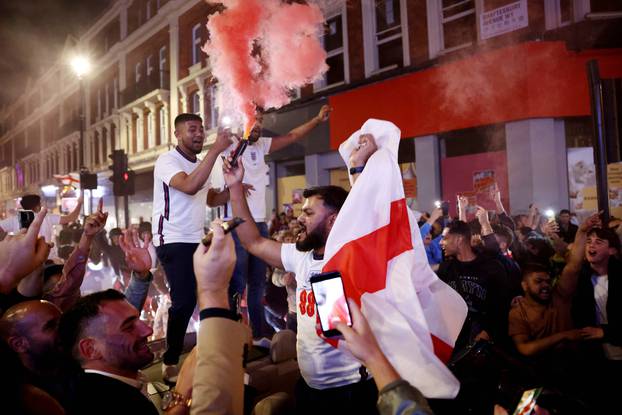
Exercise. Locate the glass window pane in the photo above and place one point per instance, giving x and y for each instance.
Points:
(335, 73)
(390, 53)
(387, 14)
(460, 31)
(333, 37)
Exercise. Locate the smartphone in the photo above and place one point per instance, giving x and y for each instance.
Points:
(330, 301)
(527, 402)
(239, 150)
(445, 208)
(25, 218)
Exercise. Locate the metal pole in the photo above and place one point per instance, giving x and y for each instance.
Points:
(81, 98)
(126, 207)
(600, 148)
(81, 113)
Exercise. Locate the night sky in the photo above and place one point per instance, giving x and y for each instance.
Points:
(32, 34)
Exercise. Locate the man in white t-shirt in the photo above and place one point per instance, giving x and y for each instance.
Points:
(332, 381)
(180, 183)
(248, 268)
(33, 202)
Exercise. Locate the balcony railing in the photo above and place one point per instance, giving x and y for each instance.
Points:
(156, 80)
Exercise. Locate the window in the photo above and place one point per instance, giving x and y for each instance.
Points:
(196, 103)
(558, 13)
(386, 35)
(196, 43)
(451, 25)
(137, 73)
(162, 66)
(335, 44)
(148, 9)
(149, 65)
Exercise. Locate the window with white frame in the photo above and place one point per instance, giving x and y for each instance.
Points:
(196, 43)
(458, 24)
(196, 103)
(386, 35)
(149, 65)
(334, 41)
(558, 13)
(137, 74)
(162, 66)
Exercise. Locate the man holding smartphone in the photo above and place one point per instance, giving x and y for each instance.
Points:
(248, 268)
(333, 381)
(33, 203)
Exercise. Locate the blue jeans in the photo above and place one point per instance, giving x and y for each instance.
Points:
(252, 271)
(176, 259)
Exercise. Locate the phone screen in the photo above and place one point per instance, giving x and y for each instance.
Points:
(330, 299)
(25, 218)
(527, 402)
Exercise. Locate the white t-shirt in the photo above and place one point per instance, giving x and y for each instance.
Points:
(322, 366)
(601, 294)
(177, 216)
(255, 173)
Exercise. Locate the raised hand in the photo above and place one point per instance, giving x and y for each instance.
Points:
(366, 147)
(22, 253)
(233, 175)
(591, 222)
(136, 257)
(213, 268)
(324, 113)
(94, 223)
(223, 140)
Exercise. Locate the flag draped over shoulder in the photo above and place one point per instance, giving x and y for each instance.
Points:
(376, 245)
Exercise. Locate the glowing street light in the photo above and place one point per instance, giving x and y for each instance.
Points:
(80, 65)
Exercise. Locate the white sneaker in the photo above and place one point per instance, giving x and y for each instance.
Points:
(170, 373)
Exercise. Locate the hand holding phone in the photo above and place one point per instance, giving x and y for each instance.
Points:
(25, 218)
(330, 300)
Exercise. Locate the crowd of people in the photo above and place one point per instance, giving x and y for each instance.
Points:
(541, 293)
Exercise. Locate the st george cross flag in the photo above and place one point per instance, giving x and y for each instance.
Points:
(376, 245)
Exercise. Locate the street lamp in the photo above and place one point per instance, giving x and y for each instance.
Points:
(81, 66)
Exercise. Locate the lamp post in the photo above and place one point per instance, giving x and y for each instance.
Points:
(81, 66)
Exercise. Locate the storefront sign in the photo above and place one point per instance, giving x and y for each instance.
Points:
(582, 180)
(614, 179)
(504, 19)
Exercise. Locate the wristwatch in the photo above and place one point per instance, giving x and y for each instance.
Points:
(356, 170)
(172, 398)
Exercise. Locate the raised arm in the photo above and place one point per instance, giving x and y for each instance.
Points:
(193, 182)
(567, 283)
(367, 146)
(264, 248)
(301, 131)
(75, 214)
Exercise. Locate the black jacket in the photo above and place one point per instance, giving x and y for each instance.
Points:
(98, 394)
(584, 304)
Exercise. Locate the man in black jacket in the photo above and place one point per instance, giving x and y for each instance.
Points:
(104, 333)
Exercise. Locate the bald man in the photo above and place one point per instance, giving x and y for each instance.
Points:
(30, 329)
